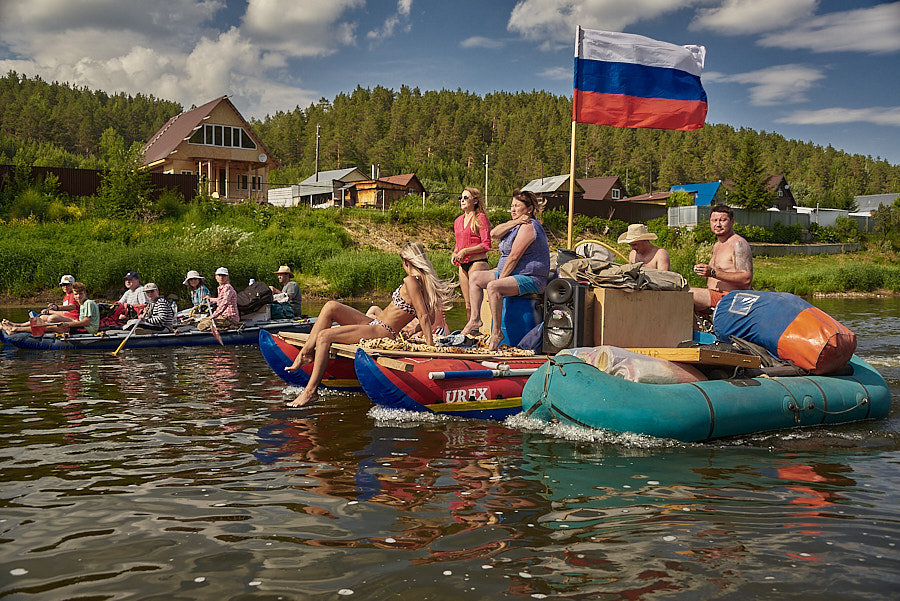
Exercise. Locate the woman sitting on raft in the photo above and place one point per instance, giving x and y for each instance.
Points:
(422, 294)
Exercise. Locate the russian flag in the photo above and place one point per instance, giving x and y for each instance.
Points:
(628, 80)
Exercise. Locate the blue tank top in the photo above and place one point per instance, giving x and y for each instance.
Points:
(535, 262)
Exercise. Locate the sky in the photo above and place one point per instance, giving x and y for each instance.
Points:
(822, 71)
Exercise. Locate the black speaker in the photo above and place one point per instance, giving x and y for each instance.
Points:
(568, 315)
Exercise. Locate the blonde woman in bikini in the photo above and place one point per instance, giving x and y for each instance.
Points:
(422, 294)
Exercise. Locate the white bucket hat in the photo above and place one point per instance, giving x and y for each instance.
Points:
(192, 274)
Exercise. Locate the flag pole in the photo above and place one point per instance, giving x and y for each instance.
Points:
(572, 162)
(571, 187)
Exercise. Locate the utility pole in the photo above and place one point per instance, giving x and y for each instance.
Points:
(485, 178)
(317, 151)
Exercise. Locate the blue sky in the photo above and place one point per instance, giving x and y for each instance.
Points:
(825, 71)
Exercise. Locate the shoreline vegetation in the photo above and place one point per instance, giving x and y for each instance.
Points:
(348, 254)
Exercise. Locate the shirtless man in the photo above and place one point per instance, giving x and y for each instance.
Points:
(642, 250)
(731, 265)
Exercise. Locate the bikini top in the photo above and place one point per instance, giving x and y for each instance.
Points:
(401, 304)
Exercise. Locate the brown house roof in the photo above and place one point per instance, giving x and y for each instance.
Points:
(407, 180)
(181, 126)
(597, 188)
(652, 197)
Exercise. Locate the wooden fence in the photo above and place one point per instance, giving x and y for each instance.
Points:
(86, 182)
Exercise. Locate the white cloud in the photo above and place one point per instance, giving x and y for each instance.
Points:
(781, 84)
(557, 73)
(477, 41)
(875, 115)
(299, 28)
(753, 16)
(390, 24)
(555, 20)
(172, 49)
(875, 29)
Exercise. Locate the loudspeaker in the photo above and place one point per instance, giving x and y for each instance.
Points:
(568, 315)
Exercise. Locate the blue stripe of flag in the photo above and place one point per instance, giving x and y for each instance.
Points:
(637, 80)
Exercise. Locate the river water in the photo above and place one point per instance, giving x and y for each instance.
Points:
(177, 474)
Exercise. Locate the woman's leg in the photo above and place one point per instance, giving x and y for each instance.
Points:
(496, 290)
(464, 287)
(478, 281)
(333, 311)
(324, 339)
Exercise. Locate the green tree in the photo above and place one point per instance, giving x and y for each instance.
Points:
(749, 189)
(125, 187)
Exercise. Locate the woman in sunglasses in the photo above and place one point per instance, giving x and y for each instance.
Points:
(472, 231)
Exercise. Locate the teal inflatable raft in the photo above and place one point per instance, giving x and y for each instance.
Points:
(568, 390)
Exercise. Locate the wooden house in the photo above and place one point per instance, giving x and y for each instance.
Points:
(382, 192)
(214, 142)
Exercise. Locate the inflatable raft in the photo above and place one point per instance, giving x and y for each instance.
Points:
(449, 384)
(572, 391)
(280, 354)
(109, 340)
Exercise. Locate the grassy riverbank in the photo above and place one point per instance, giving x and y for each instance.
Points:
(334, 254)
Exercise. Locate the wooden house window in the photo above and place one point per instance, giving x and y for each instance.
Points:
(223, 135)
(616, 194)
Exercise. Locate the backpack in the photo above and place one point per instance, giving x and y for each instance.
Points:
(253, 297)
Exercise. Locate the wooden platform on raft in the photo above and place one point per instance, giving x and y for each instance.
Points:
(694, 356)
(700, 356)
(349, 351)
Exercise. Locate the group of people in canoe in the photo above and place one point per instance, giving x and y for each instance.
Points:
(143, 307)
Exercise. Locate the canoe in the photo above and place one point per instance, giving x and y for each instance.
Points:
(183, 336)
(568, 390)
(280, 354)
(466, 388)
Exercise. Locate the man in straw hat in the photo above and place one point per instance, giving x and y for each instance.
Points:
(731, 265)
(642, 250)
(289, 287)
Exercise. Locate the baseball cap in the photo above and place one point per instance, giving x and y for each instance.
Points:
(67, 279)
(132, 274)
(222, 271)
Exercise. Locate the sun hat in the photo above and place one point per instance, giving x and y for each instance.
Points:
(67, 279)
(636, 231)
(222, 271)
(285, 269)
(192, 274)
(150, 286)
(132, 274)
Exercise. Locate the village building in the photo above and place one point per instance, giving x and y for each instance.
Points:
(383, 192)
(216, 143)
(334, 188)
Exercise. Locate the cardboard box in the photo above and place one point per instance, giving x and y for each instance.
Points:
(642, 318)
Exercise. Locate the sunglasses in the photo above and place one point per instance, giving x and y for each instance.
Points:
(464, 197)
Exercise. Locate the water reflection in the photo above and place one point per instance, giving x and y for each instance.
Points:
(177, 474)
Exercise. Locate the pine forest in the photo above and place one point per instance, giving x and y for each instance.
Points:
(445, 137)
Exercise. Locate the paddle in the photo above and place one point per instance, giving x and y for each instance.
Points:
(212, 325)
(215, 331)
(121, 344)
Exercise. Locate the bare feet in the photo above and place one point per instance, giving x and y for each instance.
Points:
(494, 341)
(300, 401)
(299, 362)
(471, 326)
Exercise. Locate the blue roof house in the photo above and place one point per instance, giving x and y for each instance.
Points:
(704, 194)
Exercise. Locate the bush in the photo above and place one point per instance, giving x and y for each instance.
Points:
(351, 273)
(30, 203)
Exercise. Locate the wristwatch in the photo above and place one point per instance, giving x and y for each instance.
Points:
(712, 272)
